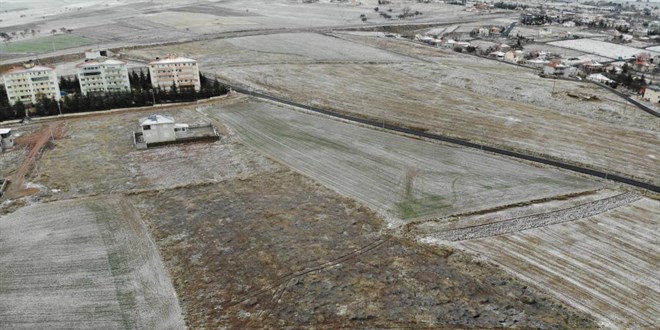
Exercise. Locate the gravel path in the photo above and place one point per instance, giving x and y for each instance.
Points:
(538, 220)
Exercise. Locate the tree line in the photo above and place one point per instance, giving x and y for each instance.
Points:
(141, 94)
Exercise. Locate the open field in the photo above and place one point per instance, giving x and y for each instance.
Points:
(104, 148)
(605, 265)
(400, 177)
(276, 250)
(43, 44)
(129, 23)
(249, 243)
(272, 49)
(485, 101)
(86, 263)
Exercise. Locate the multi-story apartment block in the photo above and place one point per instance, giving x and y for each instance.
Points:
(173, 70)
(30, 83)
(103, 75)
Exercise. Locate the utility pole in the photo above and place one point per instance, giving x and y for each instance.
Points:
(553, 87)
(59, 107)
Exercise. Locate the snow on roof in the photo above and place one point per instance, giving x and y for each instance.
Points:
(172, 59)
(599, 77)
(156, 120)
(99, 61)
(5, 130)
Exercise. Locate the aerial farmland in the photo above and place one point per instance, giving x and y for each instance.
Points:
(362, 178)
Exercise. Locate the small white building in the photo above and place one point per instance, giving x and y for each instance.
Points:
(173, 70)
(103, 75)
(31, 82)
(597, 77)
(652, 94)
(157, 129)
(6, 139)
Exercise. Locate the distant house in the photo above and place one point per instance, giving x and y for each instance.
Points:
(158, 130)
(513, 56)
(554, 69)
(652, 94)
(597, 77)
(6, 139)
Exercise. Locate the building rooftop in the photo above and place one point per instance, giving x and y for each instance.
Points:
(5, 130)
(156, 119)
(172, 59)
(34, 68)
(99, 61)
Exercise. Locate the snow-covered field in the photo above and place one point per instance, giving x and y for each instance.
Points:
(478, 100)
(605, 265)
(602, 48)
(402, 178)
(83, 264)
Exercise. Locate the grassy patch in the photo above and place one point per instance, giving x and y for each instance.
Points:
(413, 208)
(44, 44)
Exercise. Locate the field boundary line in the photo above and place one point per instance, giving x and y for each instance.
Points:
(538, 220)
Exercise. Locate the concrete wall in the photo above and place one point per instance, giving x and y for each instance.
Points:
(159, 133)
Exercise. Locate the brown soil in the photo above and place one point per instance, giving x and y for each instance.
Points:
(277, 250)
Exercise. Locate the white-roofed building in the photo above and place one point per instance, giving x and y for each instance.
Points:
(173, 70)
(31, 82)
(6, 139)
(157, 129)
(103, 75)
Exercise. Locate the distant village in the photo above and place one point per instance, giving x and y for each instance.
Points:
(103, 82)
(608, 43)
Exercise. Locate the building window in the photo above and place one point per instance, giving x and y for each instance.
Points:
(146, 127)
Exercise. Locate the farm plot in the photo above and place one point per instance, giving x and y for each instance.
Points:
(499, 105)
(490, 78)
(277, 250)
(602, 48)
(274, 48)
(101, 146)
(44, 44)
(398, 176)
(605, 265)
(86, 263)
(187, 20)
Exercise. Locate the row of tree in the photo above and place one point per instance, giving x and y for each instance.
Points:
(137, 97)
(625, 78)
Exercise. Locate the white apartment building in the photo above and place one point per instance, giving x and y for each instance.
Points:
(181, 71)
(31, 82)
(103, 75)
